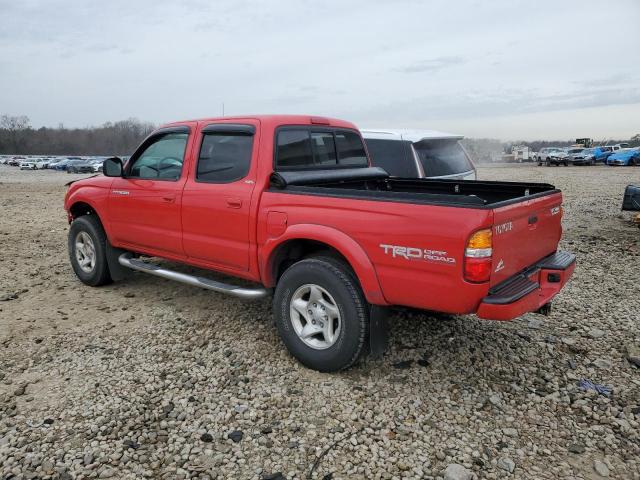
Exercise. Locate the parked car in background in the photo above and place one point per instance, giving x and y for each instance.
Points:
(15, 161)
(419, 153)
(559, 157)
(64, 163)
(28, 165)
(601, 154)
(545, 154)
(96, 163)
(80, 166)
(581, 156)
(625, 157)
(613, 148)
(42, 163)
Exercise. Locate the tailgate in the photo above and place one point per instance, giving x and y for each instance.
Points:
(524, 233)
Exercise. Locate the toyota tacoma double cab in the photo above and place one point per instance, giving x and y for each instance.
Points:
(291, 205)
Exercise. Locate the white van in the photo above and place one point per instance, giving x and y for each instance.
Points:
(419, 153)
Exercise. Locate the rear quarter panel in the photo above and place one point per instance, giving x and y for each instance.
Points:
(416, 251)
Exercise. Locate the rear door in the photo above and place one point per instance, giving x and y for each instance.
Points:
(524, 233)
(217, 197)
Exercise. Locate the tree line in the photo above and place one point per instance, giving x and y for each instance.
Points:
(111, 138)
(121, 138)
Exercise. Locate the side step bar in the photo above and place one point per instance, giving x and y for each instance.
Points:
(126, 260)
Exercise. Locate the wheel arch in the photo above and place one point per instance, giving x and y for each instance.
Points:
(301, 241)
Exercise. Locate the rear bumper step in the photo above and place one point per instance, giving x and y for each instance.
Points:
(126, 260)
(529, 290)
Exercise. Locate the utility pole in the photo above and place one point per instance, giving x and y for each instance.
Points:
(223, 109)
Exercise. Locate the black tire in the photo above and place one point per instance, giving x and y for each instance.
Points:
(99, 274)
(338, 280)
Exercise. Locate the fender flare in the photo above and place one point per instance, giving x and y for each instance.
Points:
(347, 246)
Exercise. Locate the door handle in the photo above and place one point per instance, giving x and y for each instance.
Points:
(234, 203)
(169, 199)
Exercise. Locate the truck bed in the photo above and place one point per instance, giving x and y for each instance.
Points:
(374, 184)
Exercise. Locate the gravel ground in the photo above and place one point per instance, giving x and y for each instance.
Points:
(149, 378)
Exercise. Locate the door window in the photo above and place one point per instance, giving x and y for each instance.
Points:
(162, 159)
(224, 157)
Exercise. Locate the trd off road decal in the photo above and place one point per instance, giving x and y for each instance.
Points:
(414, 253)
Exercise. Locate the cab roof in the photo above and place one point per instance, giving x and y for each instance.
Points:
(274, 120)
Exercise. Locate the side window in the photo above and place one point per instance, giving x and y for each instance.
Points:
(350, 149)
(162, 159)
(224, 157)
(294, 149)
(392, 156)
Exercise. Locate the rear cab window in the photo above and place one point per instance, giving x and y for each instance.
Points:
(299, 148)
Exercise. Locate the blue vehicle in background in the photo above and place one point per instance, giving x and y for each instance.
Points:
(64, 164)
(625, 157)
(600, 154)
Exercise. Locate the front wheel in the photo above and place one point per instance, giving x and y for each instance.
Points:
(321, 314)
(88, 251)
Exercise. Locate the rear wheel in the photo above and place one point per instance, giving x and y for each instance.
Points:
(87, 244)
(321, 314)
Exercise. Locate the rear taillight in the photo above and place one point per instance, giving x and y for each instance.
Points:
(477, 257)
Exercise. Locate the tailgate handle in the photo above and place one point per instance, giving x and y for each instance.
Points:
(533, 219)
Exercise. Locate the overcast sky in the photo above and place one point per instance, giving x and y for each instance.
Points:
(505, 69)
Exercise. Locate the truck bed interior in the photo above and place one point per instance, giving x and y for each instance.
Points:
(374, 183)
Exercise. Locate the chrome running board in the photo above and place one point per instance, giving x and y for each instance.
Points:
(126, 260)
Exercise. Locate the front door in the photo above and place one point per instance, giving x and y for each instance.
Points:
(144, 205)
(216, 199)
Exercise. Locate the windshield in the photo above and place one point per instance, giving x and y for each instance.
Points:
(575, 150)
(441, 157)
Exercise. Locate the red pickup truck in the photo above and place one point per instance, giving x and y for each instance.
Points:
(292, 204)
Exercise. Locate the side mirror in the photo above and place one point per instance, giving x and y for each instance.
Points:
(112, 167)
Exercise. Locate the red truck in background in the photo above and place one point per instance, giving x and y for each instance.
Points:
(292, 204)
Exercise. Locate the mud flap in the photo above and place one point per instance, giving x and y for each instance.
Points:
(117, 271)
(378, 331)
